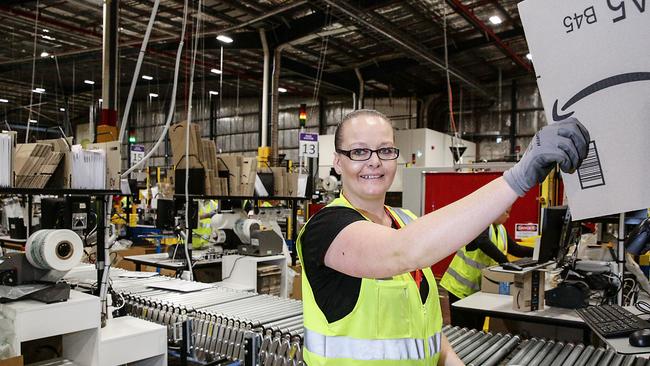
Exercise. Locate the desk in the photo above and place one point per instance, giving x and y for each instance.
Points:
(622, 345)
(500, 306)
(162, 260)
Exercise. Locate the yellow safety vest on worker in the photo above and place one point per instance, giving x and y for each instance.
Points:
(201, 235)
(388, 326)
(463, 277)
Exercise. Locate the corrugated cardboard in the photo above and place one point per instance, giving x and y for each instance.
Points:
(523, 292)
(279, 181)
(591, 62)
(177, 137)
(61, 175)
(113, 162)
(496, 282)
(230, 167)
(248, 174)
(292, 184)
(13, 361)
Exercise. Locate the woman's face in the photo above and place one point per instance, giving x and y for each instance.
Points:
(370, 179)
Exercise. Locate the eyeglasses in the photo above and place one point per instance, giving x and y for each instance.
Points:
(362, 154)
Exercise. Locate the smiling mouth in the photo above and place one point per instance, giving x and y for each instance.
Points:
(376, 176)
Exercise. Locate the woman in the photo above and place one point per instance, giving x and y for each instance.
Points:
(362, 305)
(463, 277)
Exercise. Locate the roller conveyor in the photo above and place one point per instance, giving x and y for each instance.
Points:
(486, 349)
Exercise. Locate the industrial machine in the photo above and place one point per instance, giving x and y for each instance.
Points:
(232, 229)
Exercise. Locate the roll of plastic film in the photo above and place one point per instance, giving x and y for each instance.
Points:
(243, 228)
(58, 250)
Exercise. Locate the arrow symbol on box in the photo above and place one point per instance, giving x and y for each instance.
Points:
(597, 86)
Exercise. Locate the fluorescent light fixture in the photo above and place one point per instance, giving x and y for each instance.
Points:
(529, 56)
(32, 121)
(46, 30)
(39, 90)
(89, 82)
(4, 100)
(153, 95)
(282, 90)
(495, 20)
(147, 77)
(224, 39)
(215, 71)
(212, 92)
(62, 109)
(49, 38)
(101, 100)
(499, 139)
(44, 54)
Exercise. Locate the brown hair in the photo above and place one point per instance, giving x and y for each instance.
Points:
(338, 134)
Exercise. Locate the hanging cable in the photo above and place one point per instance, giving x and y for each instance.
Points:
(187, 138)
(172, 103)
(31, 90)
(449, 91)
(138, 65)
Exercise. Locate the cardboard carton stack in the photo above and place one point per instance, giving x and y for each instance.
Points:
(34, 164)
(195, 155)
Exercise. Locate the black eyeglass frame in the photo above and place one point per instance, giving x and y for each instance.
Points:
(348, 153)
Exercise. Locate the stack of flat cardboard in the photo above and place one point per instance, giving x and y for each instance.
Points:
(177, 136)
(212, 182)
(61, 176)
(34, 164)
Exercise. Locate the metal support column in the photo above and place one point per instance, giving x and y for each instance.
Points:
(513, 117)
(109, 63)
(620, 255)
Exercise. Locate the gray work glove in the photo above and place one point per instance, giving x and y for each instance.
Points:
(565, 143)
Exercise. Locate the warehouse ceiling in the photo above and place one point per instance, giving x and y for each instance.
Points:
(396, 47)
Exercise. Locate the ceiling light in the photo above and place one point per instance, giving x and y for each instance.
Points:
(212, 92)
(46, 30)
(224, 39)
(4, 100)
(147, 77)
(39, 90)
(89, 82)
(215, 71)
(49, 38)
(529, 56)
(62, 109)
(153, 95)
(495, 20)
(282, 90)
(44, 54)
(32, 121)
(101, 100)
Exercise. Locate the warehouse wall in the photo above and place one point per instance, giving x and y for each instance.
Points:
(237, 123)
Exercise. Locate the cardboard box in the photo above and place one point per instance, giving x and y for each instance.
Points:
(177, 136)
(528, 291)
(292, 184)
(230, 168)
(494, 282)
(113, 162)
(13, 361)
(279, 181)
(296, 291)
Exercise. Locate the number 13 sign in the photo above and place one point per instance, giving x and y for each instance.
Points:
(309, 145)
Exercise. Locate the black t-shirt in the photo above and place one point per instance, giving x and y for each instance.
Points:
(336, 293)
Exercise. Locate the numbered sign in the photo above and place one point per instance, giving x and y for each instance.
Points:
(309, 145)
(137, 153)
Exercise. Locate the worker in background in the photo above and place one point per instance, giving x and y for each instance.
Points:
(369, 296)
(201, 235)
(463, 277)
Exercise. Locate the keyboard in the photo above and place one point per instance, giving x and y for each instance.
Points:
(525, 262)
(611, 321)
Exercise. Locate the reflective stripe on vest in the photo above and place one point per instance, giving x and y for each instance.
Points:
(462, 280)
(402, 215)
(469, 261)
(370, 349)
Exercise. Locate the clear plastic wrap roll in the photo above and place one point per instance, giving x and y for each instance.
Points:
(58, 250)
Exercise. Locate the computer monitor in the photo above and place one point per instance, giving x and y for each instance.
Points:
(557, 233)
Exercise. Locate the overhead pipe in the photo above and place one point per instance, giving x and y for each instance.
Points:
(265, 88)
(109, 63)
(403, 41)
(473, 19)
(361, 87)
(275, 103)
